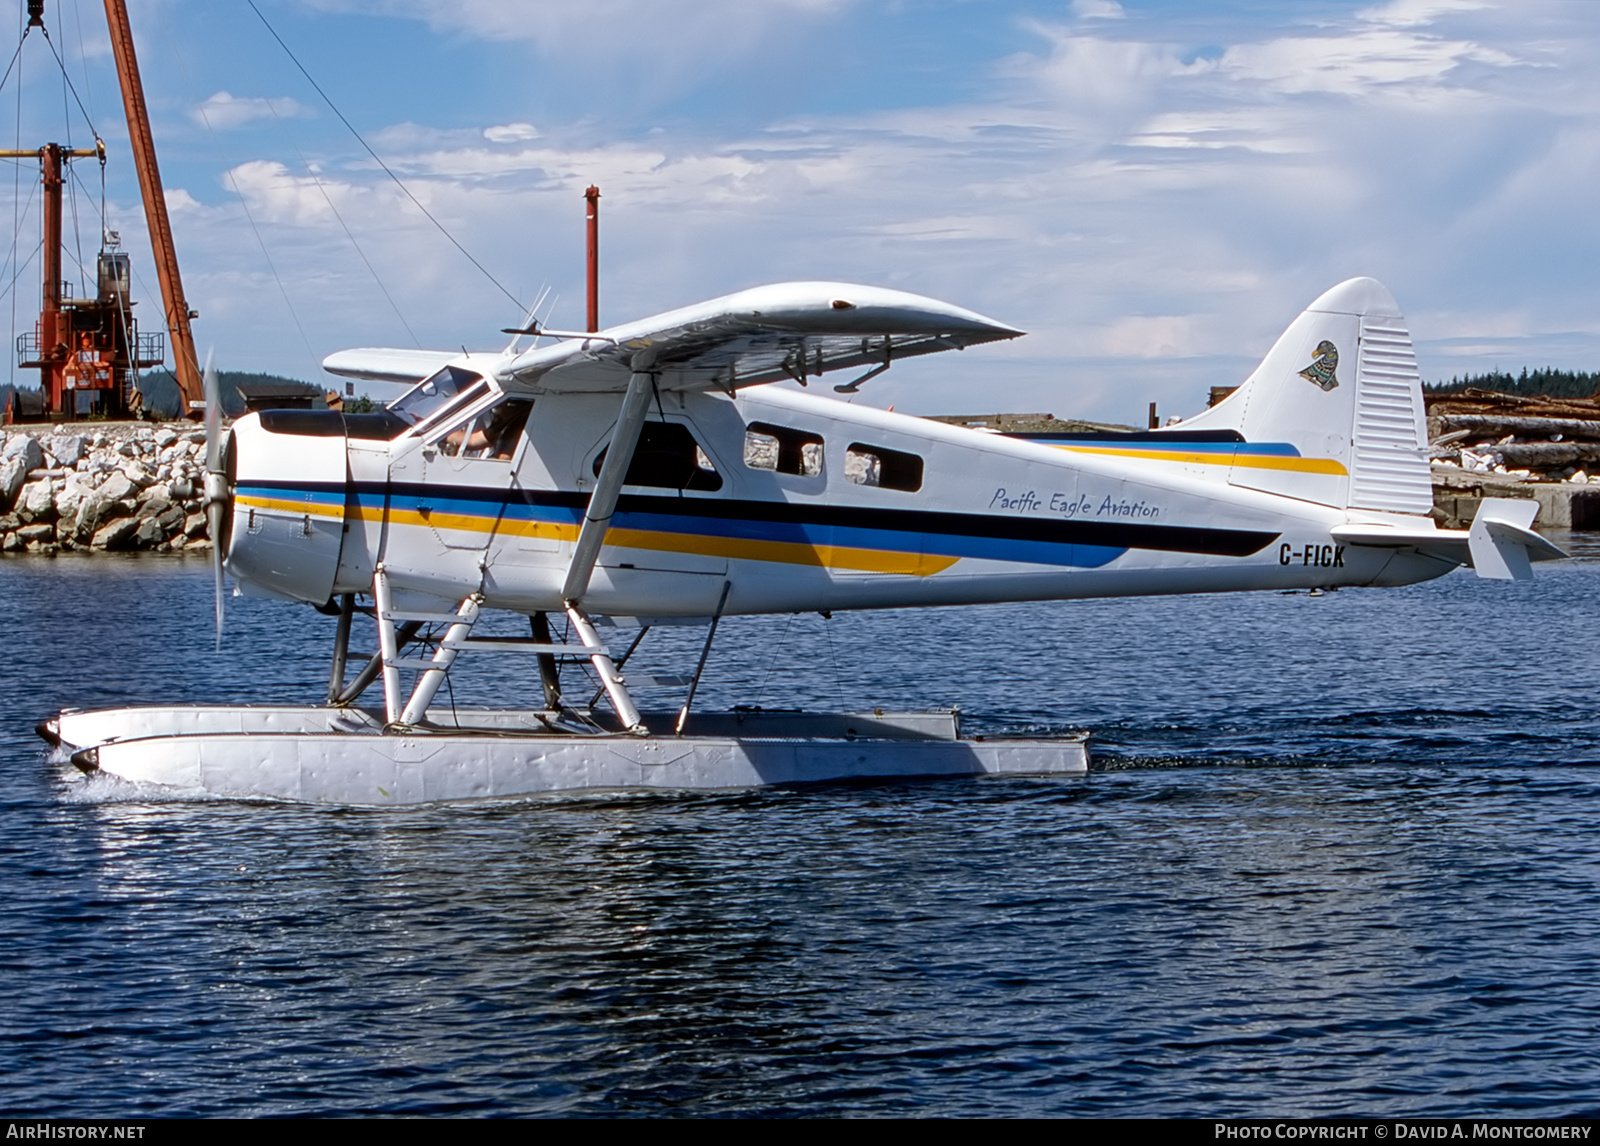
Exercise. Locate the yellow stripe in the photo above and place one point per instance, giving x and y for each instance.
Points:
(784, 552)
(549, 530)
(315, 509)
(1248, 461)
(459, 522)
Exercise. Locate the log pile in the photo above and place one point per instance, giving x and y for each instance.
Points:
(1517, 439)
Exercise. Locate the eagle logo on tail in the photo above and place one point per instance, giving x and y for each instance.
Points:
(1323, 365)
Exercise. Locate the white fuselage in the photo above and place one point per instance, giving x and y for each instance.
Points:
(787, 514)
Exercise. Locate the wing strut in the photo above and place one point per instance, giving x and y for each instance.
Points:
(603, 502)
(592, 535)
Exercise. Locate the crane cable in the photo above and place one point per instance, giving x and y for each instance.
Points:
(77, 232)
(60, 63)
(349, 234)
(376, 158)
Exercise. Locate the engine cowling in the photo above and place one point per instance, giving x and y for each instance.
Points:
(290, 488)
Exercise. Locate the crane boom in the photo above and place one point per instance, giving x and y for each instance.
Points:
(186, 366)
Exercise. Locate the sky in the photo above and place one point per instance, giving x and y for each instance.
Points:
(1152, 190)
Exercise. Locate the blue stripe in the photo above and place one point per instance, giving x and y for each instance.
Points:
(887, 540)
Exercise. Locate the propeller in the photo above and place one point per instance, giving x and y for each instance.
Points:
(216, 487)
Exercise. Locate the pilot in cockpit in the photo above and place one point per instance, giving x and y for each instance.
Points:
(493, 434)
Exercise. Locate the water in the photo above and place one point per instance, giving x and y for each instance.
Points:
(1337, 858)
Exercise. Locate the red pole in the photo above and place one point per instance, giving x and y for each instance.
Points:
(592, 196)
(51, 334)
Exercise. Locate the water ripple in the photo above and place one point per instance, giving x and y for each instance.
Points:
(1336, 858)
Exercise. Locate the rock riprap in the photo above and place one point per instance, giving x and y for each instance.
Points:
(116, 487)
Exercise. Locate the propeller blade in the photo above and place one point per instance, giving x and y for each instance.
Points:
(213, 400)
(216, 494)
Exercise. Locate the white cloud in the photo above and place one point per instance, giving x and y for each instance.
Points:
(1097, 9)
(1152, 213)
(1154, 336)
(223, 111)
(511, 133)
(1355, 63)
(180, 201)
(655, 46)
(951, 228)
(1101, 82)
(275, 195)
(1417, 13)
(555, 22)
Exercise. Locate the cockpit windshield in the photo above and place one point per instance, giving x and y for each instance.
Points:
(433, 394)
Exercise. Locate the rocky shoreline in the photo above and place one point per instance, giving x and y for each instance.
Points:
(115, 487)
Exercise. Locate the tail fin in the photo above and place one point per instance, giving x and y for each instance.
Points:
(1340, 389)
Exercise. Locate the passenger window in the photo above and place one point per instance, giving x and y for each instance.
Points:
(668, 457)
(768, 447)
(889, 469)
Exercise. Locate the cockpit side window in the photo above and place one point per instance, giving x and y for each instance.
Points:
(434, 393)
(492, 434)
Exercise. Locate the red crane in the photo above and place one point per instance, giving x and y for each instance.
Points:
(90, 345)
(186, 366)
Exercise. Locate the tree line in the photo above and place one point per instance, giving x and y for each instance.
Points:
(1548, 382)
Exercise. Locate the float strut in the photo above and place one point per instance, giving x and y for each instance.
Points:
(694, 682)
(606, 669)
(373, 667)
(341, 647)
(621, 662)
(444, 656)
(388, 647)
(549, 671)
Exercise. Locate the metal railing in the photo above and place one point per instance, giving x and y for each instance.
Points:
(149, 349)
(27, 347)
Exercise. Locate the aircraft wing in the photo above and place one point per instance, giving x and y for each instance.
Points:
(384, 364)
(766, 334)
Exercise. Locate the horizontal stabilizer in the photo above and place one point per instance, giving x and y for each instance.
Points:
(1449, 544)
(1499, 546)
(1501, 542)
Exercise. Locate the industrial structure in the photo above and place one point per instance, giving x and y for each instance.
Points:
(88, 351)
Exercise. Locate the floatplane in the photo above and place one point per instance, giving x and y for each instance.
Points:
(652, 473)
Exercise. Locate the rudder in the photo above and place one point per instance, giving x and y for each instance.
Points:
(1341, 387)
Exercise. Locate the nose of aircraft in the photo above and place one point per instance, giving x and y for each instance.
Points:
(281, 497)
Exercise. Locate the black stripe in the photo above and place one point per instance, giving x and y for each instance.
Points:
(1113, 436)
(1111, 534)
